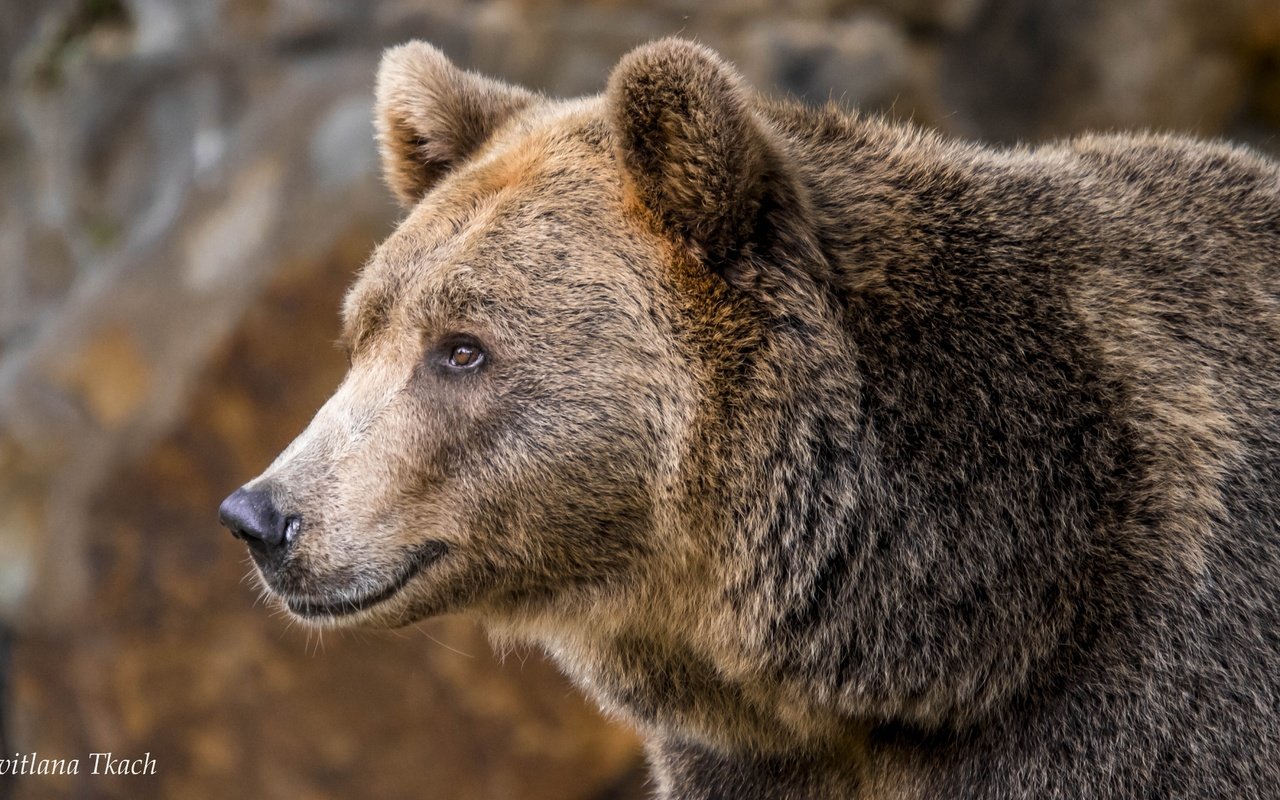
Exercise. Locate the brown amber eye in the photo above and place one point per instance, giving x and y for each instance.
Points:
(465, 355)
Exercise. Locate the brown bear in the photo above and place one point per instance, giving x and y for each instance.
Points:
(843, 460)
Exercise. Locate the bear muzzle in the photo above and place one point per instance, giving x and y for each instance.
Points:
(345, 603)
(271, 535)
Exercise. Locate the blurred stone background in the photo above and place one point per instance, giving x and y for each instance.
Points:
(185, 190)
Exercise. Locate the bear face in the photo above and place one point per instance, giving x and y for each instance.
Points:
(511, 433)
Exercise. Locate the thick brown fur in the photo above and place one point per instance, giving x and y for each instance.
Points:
(841, 459)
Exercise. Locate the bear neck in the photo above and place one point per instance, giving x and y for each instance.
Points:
(885, 441)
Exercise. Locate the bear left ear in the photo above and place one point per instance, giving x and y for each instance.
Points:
(430, 116)
(690, 145)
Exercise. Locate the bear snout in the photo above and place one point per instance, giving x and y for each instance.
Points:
(252, 516)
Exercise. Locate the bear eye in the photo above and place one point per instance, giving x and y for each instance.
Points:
(465, 355)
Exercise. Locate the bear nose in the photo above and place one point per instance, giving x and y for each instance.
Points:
(252, 515)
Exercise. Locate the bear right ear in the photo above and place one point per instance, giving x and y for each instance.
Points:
(691, 147)
(430, 116)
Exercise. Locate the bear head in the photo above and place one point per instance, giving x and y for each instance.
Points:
(541, 354)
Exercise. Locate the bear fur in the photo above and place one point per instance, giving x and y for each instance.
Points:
(841, 459)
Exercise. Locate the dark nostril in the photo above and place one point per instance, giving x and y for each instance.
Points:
(252, 515)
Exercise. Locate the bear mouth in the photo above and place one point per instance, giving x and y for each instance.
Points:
(418, 560)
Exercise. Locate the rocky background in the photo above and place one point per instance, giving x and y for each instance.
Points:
(186, 189)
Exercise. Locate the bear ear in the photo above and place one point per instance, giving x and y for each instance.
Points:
(690, 146)
(430, 116)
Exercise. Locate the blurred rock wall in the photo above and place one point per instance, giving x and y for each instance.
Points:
(188, 186)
